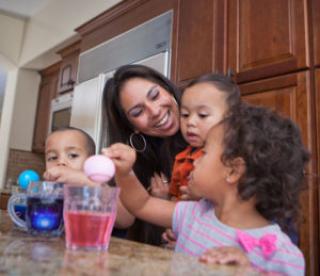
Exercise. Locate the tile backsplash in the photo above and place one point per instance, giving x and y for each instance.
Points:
(20, 160)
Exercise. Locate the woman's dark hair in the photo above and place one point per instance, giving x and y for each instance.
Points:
(159, 154)
(275, 160)
(90, 147)
(119, 127)
(224, 84)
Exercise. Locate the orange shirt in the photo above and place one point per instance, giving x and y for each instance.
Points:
(182, 167)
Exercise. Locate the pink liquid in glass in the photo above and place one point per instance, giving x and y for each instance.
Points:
(88, 230)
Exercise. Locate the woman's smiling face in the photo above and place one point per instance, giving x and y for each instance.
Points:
(150, 108)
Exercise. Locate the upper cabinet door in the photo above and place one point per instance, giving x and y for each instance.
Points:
(315, 10)
(69, 67)
(199, 38)
(266, 37)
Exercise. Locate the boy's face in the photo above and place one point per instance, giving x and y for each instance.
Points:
(202, 107)
(66, 148)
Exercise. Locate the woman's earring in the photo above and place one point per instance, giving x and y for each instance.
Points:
(175, 100)
(137, 142)
(228, 180)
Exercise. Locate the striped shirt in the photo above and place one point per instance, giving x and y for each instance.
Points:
(198, 229)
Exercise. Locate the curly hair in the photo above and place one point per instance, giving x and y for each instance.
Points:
(275, 159)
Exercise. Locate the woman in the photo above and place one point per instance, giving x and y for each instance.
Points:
(142, 110)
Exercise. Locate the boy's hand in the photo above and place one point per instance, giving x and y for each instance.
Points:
(225, 255)
(66, 175)
(123, 157)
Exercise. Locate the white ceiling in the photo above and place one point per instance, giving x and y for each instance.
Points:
(22, 8)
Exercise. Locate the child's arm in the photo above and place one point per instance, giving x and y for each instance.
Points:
(66, 175)
(124, 219)
(133, 195)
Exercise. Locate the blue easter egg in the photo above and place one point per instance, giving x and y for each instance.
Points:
(26, 177)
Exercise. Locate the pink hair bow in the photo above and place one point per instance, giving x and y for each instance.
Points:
(267, 243)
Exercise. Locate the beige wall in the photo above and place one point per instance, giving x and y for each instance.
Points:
(56, 23)
(24, 110)
(6, 119)
(11, 34)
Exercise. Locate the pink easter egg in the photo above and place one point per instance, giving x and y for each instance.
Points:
(99, 168)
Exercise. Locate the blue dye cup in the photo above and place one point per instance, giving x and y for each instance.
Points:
(44, 208)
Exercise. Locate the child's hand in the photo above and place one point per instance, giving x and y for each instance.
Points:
(225, 255)
(186, 194)
(123, 157)
(159, 186)
(66, 175)
(170, 238)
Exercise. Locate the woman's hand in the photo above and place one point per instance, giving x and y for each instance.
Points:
(225, 255)
(123, 157)
(159, 186)
(170, 238)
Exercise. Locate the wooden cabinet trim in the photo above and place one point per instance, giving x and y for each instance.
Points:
(70, 49)
(51, 70)
(315, 15)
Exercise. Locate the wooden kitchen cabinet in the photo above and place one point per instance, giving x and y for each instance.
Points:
(266, 38)
(315, 12)
(4, 197)
(292, 96)
(199, 38)
(68, 67)
(47, 91)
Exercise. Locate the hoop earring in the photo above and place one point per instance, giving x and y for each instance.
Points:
(140, 148)
(174, 99)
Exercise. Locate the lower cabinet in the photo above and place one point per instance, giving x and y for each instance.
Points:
(293, 96)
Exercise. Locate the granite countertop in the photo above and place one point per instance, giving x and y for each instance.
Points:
(23, 254)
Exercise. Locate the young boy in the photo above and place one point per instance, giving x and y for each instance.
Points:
(66, 150)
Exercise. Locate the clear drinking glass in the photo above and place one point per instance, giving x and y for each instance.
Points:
(89, 216)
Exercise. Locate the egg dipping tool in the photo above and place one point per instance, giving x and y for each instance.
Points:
(99, 168)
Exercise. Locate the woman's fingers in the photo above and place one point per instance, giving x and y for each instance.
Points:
(225, 255)
(159, 186)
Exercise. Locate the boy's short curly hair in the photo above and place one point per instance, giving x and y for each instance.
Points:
(275, 159)
(90, 144)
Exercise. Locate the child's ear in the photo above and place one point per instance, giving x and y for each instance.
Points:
(236, 171)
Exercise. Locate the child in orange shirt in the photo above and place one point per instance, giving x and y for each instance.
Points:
(204, 103)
